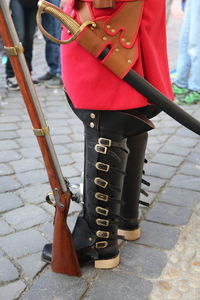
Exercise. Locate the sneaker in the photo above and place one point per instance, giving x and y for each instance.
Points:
(45, 77)
(11, 84)
(55, 82)
(190, 98)
(177, 90)
(35, 81)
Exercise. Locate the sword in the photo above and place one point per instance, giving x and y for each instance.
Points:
(132, 77)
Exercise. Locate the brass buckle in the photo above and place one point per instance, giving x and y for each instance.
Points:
(100, 182)
(102, 167)
(103, 234)
(102, 222)
(102, 197)
(102, 244)
(102, 211)
(105, 142)
(100, 149)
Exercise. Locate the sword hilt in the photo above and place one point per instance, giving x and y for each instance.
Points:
(74, 27)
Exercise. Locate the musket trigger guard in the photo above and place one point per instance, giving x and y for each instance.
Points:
(49, 199)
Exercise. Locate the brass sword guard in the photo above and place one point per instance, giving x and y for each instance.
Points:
(74, 27)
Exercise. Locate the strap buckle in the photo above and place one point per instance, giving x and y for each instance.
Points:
(105, 142)
(102, 222)
(101, 197)
(102, 211)
(101, 245)
(103, 234)
(101, 182)
(102, 167)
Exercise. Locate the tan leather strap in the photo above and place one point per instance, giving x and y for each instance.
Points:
(83, 11)
(104, 3)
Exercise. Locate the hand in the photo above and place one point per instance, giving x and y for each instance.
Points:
(62, 3)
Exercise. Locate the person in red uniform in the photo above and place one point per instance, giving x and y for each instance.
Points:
(116, 120)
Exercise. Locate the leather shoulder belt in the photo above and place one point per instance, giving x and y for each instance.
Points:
(118, 32)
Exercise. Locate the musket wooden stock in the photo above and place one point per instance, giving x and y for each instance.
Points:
(64, 258)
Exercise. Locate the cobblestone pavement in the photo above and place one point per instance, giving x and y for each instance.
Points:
(163, 264)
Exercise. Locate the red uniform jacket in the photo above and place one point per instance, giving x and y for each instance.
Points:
(91, 85)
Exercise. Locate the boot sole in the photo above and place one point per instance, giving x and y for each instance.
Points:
(130, 235)
(107, 263)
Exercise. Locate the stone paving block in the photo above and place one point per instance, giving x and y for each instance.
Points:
(168, 131)
(24, 165)
(186, 133)
(8, 119)
(12, 290)
(157, 235)
(26, 133)
(61, 139)
(180, 197)
(175, 149)
(7, 156)
(70, 171)
(60, 149)
(194, 158)
(47, 229)
(48, 208)
(8, 127)
(23, 243)
(5, 170)
(159, 170)
(167, 159)
(26, 217)
(8, 145)
(65, 159)
(156, 184)
(142, 261)
(31, 265)
(34, 193)
(12, 112)
(75, 147)
(8, 271)
(197, 148)
(190, 169)
(169, 214)
(152, 148)
(5, 228)
(9, 201)
(59, 130)
(117, 285)
(183, 141)
(53, 286)
(30, 152)
(185, 182)
(32, 177)
(27, 142)
(8, 135)
(7, 184)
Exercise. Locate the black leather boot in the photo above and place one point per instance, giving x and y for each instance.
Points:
(106, 154)
(129, 225)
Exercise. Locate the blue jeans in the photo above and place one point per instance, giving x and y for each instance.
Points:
(52, 50)
(24, 20)
(188, 64)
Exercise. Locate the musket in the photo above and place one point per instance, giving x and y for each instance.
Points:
(86, 36)
(64, 258)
